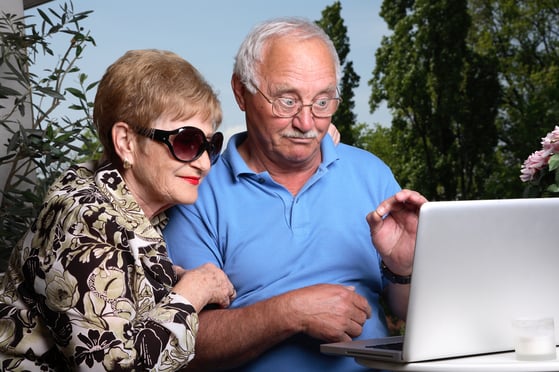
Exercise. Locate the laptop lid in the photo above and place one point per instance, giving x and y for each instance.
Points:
(477, 266)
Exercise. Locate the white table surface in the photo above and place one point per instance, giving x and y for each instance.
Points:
(501, 362)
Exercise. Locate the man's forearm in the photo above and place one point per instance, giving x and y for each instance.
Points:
(398, 298)
(228, 338)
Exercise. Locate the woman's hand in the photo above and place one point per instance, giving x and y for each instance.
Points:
(334, 133)
(206, 284)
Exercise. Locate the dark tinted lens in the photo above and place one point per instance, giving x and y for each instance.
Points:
(215, 146)
(189, 144)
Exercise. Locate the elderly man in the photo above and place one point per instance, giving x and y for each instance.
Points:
(309, 233)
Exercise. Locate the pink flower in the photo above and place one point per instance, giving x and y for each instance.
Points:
(534, 164)
(551, 141)
(527, 174)
(541, 169)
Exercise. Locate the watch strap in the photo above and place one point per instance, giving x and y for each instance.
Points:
(394, 278)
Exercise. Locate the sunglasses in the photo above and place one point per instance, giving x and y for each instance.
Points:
(186, 143)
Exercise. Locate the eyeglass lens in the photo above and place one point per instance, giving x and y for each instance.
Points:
(320, 108)
(191, 143)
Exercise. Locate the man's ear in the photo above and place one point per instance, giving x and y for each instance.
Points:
(239, 91)
(123, 140)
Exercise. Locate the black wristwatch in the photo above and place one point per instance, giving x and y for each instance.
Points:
(394, 278)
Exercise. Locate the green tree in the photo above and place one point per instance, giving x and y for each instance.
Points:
(443, 97)
(40, 145)
(333, 24)
(523, 36)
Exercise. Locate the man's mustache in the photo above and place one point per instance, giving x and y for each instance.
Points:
(301, 135)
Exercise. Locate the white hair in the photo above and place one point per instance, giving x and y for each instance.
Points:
(251, 49)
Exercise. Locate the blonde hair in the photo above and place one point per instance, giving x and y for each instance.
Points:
(145, 85)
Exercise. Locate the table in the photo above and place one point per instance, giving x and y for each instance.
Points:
(500, 362)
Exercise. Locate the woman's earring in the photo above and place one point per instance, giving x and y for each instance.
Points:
(126, 164)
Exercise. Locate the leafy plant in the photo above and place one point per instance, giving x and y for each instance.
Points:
(40, 145)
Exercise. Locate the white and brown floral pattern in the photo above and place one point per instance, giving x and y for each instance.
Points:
(89, 286)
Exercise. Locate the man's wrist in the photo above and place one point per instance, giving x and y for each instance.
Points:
(392, 277)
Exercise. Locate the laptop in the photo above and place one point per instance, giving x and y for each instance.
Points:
(477, 266)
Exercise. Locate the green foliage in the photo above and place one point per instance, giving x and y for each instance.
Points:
(333, 24)
(39, 145)
(546, 184)
(472, 85)
(441, 76)
(523, 36)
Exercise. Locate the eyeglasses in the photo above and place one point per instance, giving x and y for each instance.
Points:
(187, 143)
(284, 107)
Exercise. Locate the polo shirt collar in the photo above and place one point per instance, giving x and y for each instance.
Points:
(239, 167)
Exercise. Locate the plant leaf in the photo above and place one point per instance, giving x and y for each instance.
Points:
(553, 162)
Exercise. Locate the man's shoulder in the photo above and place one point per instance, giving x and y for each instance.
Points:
(222, 172)
(353, 153)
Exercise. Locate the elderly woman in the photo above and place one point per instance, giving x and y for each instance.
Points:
(90, 286)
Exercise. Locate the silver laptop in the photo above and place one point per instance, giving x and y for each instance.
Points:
(477, 266)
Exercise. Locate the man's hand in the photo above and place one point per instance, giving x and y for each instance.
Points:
(329, 312)
(393, 228)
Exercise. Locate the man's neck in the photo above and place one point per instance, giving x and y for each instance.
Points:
(292, 176)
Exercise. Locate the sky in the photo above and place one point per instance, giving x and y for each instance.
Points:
(207, 33)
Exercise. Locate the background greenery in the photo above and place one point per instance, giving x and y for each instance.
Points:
(473, 86)
(40, 144)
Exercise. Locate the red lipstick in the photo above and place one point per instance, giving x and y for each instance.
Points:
(192, 180)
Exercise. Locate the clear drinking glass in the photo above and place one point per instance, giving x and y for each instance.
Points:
(534, 338)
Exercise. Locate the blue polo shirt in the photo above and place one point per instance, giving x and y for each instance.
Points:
(269, 241)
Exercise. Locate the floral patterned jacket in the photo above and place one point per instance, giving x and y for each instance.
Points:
(89, 286)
